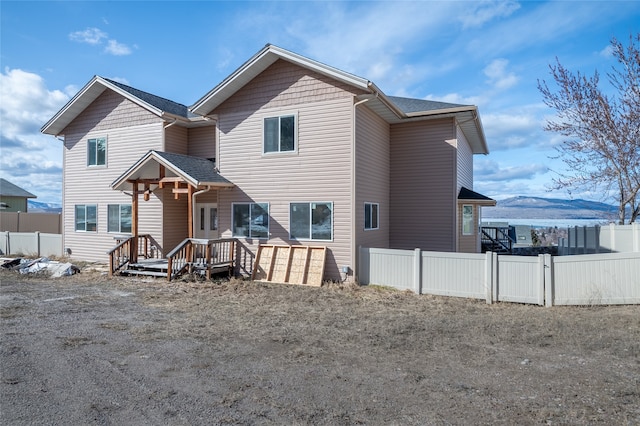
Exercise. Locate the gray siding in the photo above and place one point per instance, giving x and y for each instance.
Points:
(202, 142)
(423, 184)
(130, 131)
(464, 163)
(320, 171)
(176, 139)
(372, 175)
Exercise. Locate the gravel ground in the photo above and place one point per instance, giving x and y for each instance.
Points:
(88, 349)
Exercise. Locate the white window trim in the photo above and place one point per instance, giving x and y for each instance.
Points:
(233, 225)
(293, 114)
(377, 213)
(473, 213)
(333, 219)
(119, 218)
(106, 152)
(75, 218)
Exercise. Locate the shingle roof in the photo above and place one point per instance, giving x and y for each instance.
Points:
(467, 194)
(8, 189)
(161, 103)
(200, 169)
(409, 105)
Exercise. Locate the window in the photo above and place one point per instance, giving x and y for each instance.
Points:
(86, 217)
(280, 134)
(371, 216)
(119, 218)
(467, 220)
(97, 152)
(251, 220)
(213, 218)
(311, 221)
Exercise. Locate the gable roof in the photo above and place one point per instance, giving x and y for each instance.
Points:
(95, 87)
(8, 189)
(196, 171)
(392, 109)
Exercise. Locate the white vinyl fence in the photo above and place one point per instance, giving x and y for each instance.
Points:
(30, 244)
(612, 278)
(610, 238)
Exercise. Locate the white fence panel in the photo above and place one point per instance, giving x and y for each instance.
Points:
(393, 268)
(454, 274)
(30, 244)
(521, 279)
(596, 279)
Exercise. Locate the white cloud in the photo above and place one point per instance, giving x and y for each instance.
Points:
(498, 75)
(30, 159)
(607, 52)
(486, 11)
(26, 103)
(492, 171)
(96, 36)
(89, 36)
(117, 49)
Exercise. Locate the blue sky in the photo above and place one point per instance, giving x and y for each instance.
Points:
(490, 54)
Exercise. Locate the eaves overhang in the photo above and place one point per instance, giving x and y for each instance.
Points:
(89, 93)
(260, 62)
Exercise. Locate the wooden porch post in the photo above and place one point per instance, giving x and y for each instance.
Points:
(191, 207)
(134, 224)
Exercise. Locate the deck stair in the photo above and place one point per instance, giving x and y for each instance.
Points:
(496, 239)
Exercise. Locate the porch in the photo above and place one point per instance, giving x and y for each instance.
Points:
(139, 256)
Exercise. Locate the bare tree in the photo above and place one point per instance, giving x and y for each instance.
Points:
(601, 148)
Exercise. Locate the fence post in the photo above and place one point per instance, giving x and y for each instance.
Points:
(494, 277)
(635, 235)
(548, 280)
(584, 240)
(597, 232)
(417, 273)
(4, 248)
(541, 277)
(612, 237)
(37, 235)
(488, 276)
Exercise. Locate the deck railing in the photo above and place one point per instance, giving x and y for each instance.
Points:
(130, 249)
(202, 254)
(496, 239)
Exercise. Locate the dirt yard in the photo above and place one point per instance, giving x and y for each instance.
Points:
(91, 350)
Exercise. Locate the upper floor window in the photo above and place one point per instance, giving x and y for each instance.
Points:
(371, 216)
(86, 217)
(97, 152)
(250, 220)
(280, 134)
(119, 218)
(468, 227)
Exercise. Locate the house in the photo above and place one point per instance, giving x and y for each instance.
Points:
(13, 198)
(285, 150)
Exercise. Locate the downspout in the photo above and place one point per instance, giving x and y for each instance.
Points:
(354, 216)
(193, 210)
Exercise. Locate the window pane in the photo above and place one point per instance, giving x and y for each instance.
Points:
(113, 218)
(374, 216)
(287, 133)
(299, 216)
(101, 148)
(467, 220)
(91, 218)
(241, 220)
(80, 218)
(367, 216)
(91, 152)
(213, 219)
(321, 221)
(202, 218)
(271, 134)
(260, 220)
(125, 218)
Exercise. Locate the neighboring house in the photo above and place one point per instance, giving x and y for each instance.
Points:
(13, 198)
(285, 150)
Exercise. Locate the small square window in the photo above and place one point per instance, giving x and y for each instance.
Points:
(371, 216)
(97, 152)
(280, 134)
(86, 217)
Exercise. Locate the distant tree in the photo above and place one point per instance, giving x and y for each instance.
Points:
(601, 148)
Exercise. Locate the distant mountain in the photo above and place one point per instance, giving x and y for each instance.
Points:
(549, 208)
(38, 207)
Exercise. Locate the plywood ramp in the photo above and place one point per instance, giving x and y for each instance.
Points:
(290, 264)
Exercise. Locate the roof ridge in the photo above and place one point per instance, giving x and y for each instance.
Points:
(125, 87)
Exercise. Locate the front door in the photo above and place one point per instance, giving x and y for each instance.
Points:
(207, 221)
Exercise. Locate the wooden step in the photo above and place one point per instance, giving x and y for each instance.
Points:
(145, 273)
